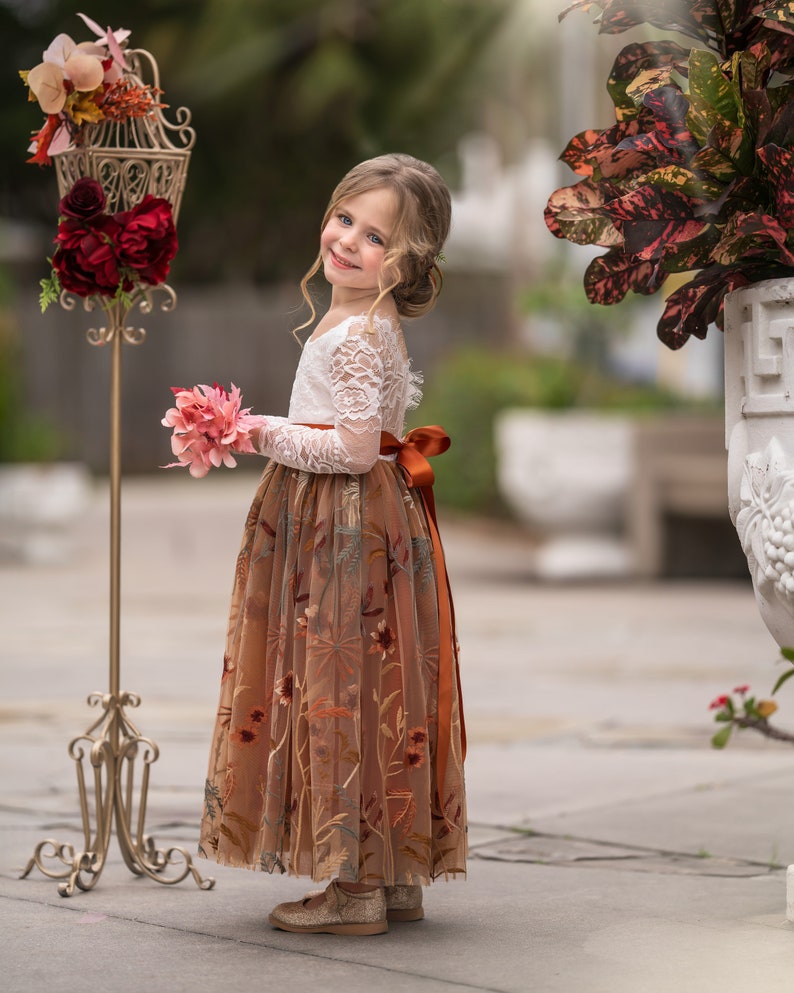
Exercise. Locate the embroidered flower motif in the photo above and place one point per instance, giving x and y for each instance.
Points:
(256, 716)
(414, 756)
(245, 735)
(417, 736)
(228, 666)
(385, 641)
(284, 689)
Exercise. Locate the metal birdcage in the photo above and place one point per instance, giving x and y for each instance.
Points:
(134, 157)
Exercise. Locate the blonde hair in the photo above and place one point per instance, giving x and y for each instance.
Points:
(421, 226)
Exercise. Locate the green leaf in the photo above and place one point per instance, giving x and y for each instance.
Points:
(712, 161)
(787, 653)
(783, 13)
(50, 290)
(784, 678)
(685, 181)
(711, 96)
(720, 739)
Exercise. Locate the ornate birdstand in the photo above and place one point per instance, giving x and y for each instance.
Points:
(129, 159)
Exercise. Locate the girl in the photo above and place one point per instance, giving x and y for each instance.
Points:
(338, 746)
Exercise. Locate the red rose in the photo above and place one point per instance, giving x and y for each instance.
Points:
(85, 199)
(146, 240)
(85, 259)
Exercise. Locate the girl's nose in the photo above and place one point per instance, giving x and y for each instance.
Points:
(348, 240)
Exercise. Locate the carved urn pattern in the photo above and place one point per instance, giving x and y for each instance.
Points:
(759, 402)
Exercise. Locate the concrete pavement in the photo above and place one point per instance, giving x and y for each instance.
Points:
(612, 850)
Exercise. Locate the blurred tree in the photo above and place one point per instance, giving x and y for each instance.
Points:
(286, 95)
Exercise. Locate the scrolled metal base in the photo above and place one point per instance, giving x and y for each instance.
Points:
(111, 746)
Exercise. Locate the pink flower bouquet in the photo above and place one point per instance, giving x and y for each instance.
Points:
(208, 426)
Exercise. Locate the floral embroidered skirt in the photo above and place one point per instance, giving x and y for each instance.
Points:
(323, 757)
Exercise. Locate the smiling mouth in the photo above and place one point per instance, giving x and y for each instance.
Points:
(341, 262)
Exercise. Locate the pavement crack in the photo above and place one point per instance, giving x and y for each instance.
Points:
(569, 851)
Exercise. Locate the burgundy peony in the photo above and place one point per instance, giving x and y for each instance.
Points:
(85, 199)
(85, 259)
(147, 241)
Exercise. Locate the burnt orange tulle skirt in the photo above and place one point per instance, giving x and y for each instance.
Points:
(323, 757)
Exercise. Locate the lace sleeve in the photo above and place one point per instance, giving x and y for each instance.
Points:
(356, 377)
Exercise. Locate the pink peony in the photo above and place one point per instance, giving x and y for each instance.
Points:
(208, 426)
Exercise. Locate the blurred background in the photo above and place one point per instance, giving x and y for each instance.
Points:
(286, 95)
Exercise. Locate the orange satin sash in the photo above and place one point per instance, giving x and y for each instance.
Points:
(412, 453)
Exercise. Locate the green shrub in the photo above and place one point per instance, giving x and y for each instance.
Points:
(24, 437)
(472, 386)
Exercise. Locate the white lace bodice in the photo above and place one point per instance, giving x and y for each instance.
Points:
(358, 380)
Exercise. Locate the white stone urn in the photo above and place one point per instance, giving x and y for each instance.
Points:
(40, 504)
(566, 475)
(759, 428)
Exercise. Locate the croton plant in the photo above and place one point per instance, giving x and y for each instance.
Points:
(696, 175)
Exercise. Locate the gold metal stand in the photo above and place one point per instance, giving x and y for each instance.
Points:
(112, 743)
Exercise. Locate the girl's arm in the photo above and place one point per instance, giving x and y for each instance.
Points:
(353, 444)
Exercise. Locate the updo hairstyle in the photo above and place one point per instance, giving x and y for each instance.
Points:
(421, 226)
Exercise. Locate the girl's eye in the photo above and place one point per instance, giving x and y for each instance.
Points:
(375, 239)
(345, 219)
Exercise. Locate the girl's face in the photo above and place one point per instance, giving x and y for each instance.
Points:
(354, 240)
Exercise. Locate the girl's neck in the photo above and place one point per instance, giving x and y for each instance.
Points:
(351, 305)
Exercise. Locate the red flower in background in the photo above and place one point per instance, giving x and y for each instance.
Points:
(147, 240)
(86, 199)
(102, 254)
(85, 260)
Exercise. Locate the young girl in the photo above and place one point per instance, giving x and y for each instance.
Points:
(338, 747)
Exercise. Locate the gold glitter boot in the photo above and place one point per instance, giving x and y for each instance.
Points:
(340, 913)
(404, 903)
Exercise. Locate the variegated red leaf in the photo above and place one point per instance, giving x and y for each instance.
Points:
(611, 276)
(613, 155)
(693, 18)
(753, 235)
(653, 220)
(692, 254)
(779, 164)
(576, 153)
(669, 107)
(571, 213)
(635, 60)
(692, 308)
(584, 5)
